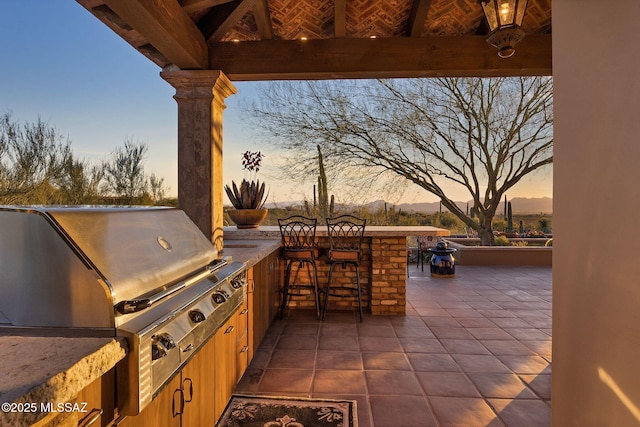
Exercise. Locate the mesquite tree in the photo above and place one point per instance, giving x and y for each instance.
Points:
(37, 166)
(34, 162)
(480, 134)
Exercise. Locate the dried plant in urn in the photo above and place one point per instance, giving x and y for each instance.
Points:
(248, 199)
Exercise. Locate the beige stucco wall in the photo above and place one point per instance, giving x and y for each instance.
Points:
(596, 279)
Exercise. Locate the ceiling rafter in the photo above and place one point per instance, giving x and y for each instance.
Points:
(167, 28)
(418, 17)
(198, 5)
(263, 20)
(374, 58)
(104, 13)
(221, 19)
(340, 18)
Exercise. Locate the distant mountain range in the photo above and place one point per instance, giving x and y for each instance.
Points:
(521, 205)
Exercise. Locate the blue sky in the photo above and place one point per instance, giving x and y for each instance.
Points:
(60, 63)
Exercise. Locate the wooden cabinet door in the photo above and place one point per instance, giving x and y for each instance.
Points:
(163, 411)
(258, 307)
(242, 340)
(275, 278)
(251, 314)
(99, 395)
(265, 301)
(225, 365)
(197, 385)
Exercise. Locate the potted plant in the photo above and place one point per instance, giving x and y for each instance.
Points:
(248, 199)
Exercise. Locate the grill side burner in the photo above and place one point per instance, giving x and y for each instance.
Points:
(146, 274)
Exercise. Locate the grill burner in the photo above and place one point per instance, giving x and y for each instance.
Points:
(147, 274)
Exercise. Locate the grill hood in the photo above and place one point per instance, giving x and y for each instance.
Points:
(69, 266)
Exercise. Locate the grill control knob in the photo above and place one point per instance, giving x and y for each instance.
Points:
(196, 316)
(160, 346)
(237, 282)
(218, 298)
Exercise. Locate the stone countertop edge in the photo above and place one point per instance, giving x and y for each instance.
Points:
(250, 251)
(41, 370)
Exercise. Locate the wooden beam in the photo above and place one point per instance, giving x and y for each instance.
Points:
(221, 19)
(167, 28)
(263, 20)
(418, 17)
(198, 5)
(340, 18)
(378, 58)
(104, 13)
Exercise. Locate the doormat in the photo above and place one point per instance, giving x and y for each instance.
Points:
(270, 411)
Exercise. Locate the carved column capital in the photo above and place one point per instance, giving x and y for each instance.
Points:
(199, 83)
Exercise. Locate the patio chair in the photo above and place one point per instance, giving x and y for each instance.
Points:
(424, 243)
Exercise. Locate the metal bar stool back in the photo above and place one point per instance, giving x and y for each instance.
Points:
(346, 233)
(298, 235)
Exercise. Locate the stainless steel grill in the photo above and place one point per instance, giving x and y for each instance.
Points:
(147, 274)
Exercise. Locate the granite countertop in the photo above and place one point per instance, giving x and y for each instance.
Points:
(51, 369)
(250, 251)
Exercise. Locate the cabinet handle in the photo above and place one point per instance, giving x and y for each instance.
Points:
(173, 403)
(91, 418)
(244, 349)
(190, 398)
(244, 311)
(229, 329)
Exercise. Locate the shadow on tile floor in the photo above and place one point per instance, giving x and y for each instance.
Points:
(472, 350)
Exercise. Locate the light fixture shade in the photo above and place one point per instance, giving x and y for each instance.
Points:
(503, 13)
(504, 18)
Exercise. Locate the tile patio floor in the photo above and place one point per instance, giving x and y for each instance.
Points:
(474, 350)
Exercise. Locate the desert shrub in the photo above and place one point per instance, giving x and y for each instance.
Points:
(501, 241)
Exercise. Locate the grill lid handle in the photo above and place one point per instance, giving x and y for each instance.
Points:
(131, 306)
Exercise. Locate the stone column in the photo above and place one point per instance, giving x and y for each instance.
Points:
(200, 95)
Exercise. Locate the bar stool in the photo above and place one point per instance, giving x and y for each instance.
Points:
(298, 241)
(345, 247)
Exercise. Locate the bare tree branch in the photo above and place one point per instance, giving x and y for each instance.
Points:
(483, 135)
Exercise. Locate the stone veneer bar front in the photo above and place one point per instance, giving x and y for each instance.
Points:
(383, 271)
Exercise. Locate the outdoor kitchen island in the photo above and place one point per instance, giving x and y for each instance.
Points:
(129, 314)
(383, 269)
(75, 377)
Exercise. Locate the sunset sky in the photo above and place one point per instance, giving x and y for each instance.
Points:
(60, 63)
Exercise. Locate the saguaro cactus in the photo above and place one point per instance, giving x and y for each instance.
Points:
(509, 218)
(326, 208)
(505, 207)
